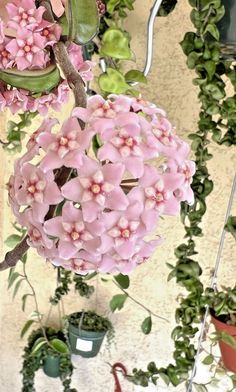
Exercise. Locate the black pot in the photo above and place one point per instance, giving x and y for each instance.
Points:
(227, 29)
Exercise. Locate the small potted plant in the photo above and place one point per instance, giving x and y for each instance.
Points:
(86, 332)
(223, 314)
(48, 350)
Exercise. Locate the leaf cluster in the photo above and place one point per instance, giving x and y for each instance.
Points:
(35, 353)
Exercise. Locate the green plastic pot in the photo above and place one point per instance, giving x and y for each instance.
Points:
(51, 366)
(85, 343)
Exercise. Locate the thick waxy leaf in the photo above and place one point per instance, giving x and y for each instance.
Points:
(147, 325)
(122, 280)
(117, 302)
(135, 76)
(113, 82)
(36, 81)
(59, 346)
(208, 360)
(26, 327)
(13, 240)
(38, 344)
(83, 20)
(115, 44)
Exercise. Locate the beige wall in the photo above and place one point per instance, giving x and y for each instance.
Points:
(169, 86)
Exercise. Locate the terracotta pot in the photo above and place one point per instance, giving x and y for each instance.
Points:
(228, 353)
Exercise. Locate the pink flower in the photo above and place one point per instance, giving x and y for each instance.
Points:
(28, 50)
(16, 100)
(37, 236)
(157, 191)
(82, 263)
(187, 169)
(24, 14)
(37, 190)
(139, 104)
(72, 232)
(96, 187)
(98, 107)
(50, 31)
(6, 59)
(76, 57)
(124, 142)
(32, 145)
(65, 148)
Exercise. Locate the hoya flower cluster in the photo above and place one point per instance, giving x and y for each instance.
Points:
(25, 43)
(99, 219)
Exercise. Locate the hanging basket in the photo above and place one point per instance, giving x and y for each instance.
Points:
(51, 366)
(228, 353)
(85, 343)
(227, 29)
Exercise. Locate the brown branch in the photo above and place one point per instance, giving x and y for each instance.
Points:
(77, 85)
(12, 257)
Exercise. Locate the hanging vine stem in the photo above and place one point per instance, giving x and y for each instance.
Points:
(139, 303)
(213, 283)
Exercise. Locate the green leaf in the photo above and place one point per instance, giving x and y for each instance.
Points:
(147, 325)
(122, 280)
(113, 82)
(26, 327)
(118, 301)
(23, 299)
(111, 5)
(231, 226)
(12, 277)
(83, 20)
(208, 360)
(135, 76)
(59, 346)
(115, 44)
(165, 378)
(12, 240)
(212, 29)
(210, 67)
(200, 387)
(17, 286)
(228, 339)
(37, 345)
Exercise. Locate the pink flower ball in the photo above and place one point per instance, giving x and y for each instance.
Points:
(114, 195)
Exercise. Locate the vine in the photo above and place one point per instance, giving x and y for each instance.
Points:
(218, 122)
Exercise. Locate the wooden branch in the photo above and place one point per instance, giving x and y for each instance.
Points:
(77, 85)
(12, 257)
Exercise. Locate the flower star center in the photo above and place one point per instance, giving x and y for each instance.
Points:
(27, 48)
(129, 142)
(24, 16)
(125, 233)
(4, 53)
(36, 235)
(159, 197)
(45, 32)
(75, 235)
(63, 141)
(96, 188)
(32, 189)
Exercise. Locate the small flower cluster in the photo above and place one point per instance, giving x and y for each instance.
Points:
(114, 197)
(25, 42)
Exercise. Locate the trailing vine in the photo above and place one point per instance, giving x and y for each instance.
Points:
(217, 120)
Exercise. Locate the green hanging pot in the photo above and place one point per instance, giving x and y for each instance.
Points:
(227, 29)
(85, 343)
(51, 366)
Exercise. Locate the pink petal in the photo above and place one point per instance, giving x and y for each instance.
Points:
(54, 227)
(52, 194)
(73, 190)
(117, 200)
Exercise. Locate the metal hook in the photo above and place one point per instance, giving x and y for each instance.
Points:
(150, 35)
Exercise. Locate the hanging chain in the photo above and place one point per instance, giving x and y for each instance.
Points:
(213, 283)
